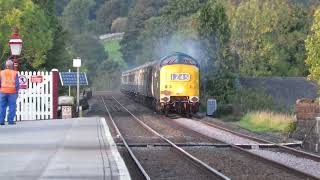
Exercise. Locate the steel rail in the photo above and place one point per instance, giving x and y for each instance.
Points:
(241, 149)
(282, 147)
(194, 159)
(256, 156)
(145, 174)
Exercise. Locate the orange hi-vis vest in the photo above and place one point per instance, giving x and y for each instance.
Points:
(8, 81)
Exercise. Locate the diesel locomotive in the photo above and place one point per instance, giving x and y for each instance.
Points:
(170, 84)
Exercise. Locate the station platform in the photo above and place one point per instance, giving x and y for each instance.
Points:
(80, 148)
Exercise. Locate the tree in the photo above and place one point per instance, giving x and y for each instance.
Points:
(158, 38)
(268, 37)
(176, 9)
(218, 65)
(34, 27)
(60, 5)
(76, 14)
(313, 48)
(110, 11)
(57, 56)
(142, 11)
(91, 51)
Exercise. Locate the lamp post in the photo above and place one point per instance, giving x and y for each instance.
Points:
(77, 64)
(15, 45)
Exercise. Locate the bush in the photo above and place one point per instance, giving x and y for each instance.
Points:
(246, 100)
(260, 121)
(224, 110)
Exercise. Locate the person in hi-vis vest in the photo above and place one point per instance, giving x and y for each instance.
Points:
(9, 87)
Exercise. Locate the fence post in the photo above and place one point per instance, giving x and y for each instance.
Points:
(55, 86)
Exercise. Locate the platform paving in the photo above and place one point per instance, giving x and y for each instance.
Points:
(60, 149)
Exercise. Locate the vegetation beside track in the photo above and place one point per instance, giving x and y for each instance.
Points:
(257, 111)
(261, 121)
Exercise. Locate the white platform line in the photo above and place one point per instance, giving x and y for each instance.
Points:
(123, 171)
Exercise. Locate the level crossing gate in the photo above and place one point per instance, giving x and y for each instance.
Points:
(38, 95)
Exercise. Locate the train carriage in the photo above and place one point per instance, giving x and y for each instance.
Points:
(172, 83)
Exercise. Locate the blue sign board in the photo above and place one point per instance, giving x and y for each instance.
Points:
(70, 79)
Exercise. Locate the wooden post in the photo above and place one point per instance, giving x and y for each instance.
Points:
(55, 92)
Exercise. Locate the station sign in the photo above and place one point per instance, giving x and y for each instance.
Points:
(66, 112)
(36, 79)
(23, 82)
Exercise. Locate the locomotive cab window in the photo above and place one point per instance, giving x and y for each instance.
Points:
(178, 58)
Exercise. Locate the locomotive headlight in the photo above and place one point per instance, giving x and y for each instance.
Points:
(194, 99)
(180, 90)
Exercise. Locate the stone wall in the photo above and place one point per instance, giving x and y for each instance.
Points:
(308, 124)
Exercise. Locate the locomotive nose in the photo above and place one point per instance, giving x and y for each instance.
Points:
(180, 90)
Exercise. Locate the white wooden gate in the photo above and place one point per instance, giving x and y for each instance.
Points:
(36, 101)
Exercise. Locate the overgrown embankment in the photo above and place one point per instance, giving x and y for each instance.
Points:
(267, 103)
(261, 121)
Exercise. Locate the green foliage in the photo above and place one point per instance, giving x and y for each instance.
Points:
(313, 48)
(91, 52)
(142, 11)
(218, 63)
(246, 100)
(262, 121)
(76, 14)
(256, 37)
(158, 39)
(225, 111)
(113, 49)
(174, 30)
(57, 56)
(108, 79)
(110, 11)
(177, 9)
(268, 37)
(60, 5)
(34, 28)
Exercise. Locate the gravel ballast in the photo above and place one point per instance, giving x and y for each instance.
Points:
(302, 164)
(213, 132)
(162, 163)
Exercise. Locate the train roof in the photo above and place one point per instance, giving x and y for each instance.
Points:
(174, 58)
(178, 58)
(141, 67)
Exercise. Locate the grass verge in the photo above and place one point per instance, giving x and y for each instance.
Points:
(262, 121)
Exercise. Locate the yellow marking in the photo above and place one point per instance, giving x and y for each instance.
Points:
(180, 88)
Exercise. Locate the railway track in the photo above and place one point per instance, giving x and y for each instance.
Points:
(266, 144)
(268, 149)
(282, 147)
(275, 147)
(181, 154)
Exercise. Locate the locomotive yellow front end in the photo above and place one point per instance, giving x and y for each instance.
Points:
(179, 84)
